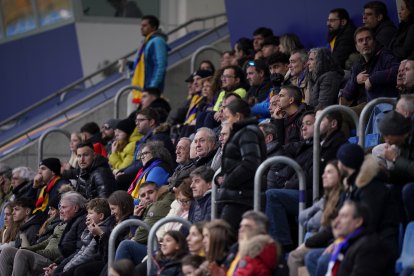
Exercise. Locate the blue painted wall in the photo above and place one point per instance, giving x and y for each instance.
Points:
(307, 18)
(33, 67)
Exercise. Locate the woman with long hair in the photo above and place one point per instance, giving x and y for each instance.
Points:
(289, 42)
(195, 239)
(10, 228)
(156, 166)
(319, 216)
(242, 154)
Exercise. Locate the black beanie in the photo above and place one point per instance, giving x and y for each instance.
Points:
(126, 126)
(52, 164)
(393, 123)
(351, 155)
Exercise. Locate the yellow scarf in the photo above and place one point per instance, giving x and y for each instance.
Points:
(139, 74)
(233, 266)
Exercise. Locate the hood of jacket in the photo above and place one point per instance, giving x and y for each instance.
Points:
(369, 170)
(260, 246)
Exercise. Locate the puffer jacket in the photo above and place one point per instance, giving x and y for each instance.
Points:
(242, 155)
(89, 250)
(96, 181)
(324, 90)
(258, 256)
(70, 240)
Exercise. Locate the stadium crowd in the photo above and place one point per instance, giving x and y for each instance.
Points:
(261, 102)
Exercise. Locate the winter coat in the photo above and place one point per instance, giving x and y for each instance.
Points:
(89, 250)
(162, 107)
(364, 256)
(155, 59)
(181, 172)
(382, 69)
(200, 209)
(25, 190)
(344, 44)
(324, 90)
(122, 159)
(153, 213)
(403, 171)
(329, 147)
(365, 186)
(274, 148)
(30, 229)
(402, 44)
(310, 218)
(205, 160)
(96, 181)
(288, 128)
(50, 248)
(243, 153)
(384, 32)
(71, 241)
(258, 256)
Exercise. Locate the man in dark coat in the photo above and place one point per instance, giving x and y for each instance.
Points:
(200, 209)
(95, 178)
(22, 183)
(358, 251)
(376, 18)
(374, 75)
(151, 97)
(340, 35)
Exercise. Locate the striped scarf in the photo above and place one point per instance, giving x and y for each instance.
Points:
(139, 74)
(193, 108)
(141, 177)
(43, 199)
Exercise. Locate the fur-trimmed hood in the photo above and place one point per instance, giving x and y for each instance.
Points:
(259, 245)
(369, 169)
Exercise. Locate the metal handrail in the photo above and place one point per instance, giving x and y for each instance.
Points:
(199, 51)
(317, 139)
(302, 184)
(152, 234)
(115, 232)
(63, 111)
(366, 112)
(44, 136)
(80, 81)
(118, 96)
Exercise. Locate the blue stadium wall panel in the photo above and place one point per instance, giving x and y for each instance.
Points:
(34, 67)
(307, 18)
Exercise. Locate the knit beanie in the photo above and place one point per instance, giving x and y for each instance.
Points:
(52, 164)
(351, 155)
(393, 123)
(112, 123)
(126, 126)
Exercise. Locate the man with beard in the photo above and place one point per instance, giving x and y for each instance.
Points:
(232, 80)
(340, 35)
(374, 75)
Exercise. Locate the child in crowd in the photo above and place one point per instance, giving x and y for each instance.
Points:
(190, 264)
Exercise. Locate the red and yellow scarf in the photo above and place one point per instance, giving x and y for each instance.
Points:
(43, 199)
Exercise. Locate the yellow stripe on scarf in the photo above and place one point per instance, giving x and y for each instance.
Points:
(135, 192)
(45, 202)
(139, 75)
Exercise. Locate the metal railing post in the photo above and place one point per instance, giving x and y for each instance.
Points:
(302, 184)
(119, 95)
(317, 140)
(43, 137)
(214, 195)
(152, 234)
(198, 52)
(366, 112)
(115, 232)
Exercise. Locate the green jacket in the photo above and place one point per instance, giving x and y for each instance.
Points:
(154, 213)
(49, 247)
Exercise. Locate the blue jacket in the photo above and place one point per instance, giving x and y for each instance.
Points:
(382, 70)
(156, 60)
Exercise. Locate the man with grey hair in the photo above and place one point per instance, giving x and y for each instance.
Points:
(405, 105)
(205, 141)
(5, 183)
(22, 183)
(185, 164)
(298, 73)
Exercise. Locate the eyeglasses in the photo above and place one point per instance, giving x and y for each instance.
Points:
(227, 77)
(144, 153)
(106, 127)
